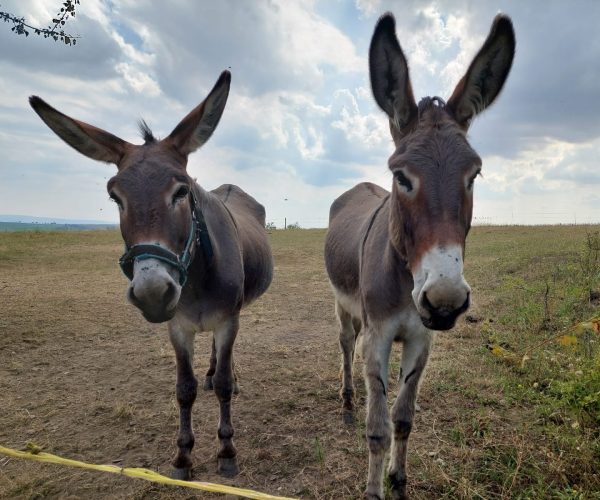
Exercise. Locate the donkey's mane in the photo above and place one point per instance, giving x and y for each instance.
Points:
(146, 132)
(430, 102)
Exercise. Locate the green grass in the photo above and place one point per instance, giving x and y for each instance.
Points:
(542, 291)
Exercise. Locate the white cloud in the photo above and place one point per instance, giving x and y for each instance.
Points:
(370, 131)
(368, 7)
(137, 79)
(309, 42)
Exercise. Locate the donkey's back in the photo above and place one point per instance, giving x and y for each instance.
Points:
(249, 217)
(349, 218)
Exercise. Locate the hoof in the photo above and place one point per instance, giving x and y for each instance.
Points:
(183, 474)
(398, 483)
(348, 417)
(372, 496)
(208, 385)
(228, 467)
(236, 388)
(400, 494)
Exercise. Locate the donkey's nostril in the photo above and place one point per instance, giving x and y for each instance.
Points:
(131, 295)
(466, 304)
(428, 306)
(169, 293)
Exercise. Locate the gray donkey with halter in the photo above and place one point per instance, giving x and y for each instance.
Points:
(194, 257)
(395, 260)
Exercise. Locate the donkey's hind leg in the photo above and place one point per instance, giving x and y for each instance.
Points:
(183, 342)
(223, 381)
(208, 382)
(348, 335)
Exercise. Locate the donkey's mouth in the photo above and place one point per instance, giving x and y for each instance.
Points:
(440, 323)
(443, 318)
(159, 316)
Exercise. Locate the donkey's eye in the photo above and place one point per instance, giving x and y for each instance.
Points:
(403, 180)
(472, 180)
(180, 194)
(116, 199)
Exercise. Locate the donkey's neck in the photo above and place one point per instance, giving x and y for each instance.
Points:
(396, 233)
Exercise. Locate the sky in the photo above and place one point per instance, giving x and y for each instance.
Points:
(300, 126)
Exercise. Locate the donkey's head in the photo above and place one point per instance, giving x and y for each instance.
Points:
(434, 166)
(160, 223)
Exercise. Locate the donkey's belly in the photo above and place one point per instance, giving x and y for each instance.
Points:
(350, 303)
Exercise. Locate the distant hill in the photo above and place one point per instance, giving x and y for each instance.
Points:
(36, 226)
(49, 220)
(29, 223)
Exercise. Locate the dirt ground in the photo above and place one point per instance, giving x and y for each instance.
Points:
(84, 376)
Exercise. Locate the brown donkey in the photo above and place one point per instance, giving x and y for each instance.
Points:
(194, 258)
(395, 260)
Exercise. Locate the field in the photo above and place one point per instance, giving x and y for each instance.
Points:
(510, 405)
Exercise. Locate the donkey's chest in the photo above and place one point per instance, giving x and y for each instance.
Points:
(203, 317)
(385, 290)
(207, 307)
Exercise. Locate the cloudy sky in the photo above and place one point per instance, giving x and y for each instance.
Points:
(300, 126)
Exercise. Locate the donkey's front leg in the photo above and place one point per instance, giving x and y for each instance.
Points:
(223, 382)
(415, 353)
(376, 354)
(182, 338)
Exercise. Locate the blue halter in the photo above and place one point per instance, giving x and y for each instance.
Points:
(198, 236)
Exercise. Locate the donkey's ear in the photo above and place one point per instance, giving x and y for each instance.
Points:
(197, 127)
(487, 73)
(93, 142)
(388, 69)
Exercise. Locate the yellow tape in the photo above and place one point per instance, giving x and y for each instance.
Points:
(139, 473)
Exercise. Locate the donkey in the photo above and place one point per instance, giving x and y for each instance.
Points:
(395, 260)
(194, 258)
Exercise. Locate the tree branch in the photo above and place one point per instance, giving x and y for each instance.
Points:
(20, 27)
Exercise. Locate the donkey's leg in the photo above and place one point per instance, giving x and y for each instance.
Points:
(347, 342)
(183, 342)
(236, 384)
(376, 353)
(208, 383)
(223, 383)
(415, 353)
(357, 324)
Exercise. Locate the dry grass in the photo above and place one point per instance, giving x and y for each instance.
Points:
(84, 376)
